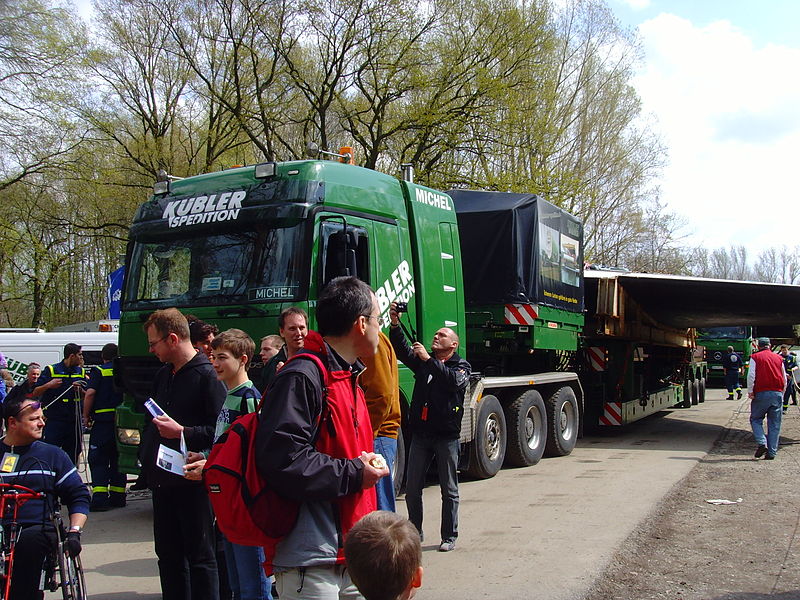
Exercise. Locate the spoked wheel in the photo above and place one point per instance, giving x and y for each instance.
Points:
(73, 585)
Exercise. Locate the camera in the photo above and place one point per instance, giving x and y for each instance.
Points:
(401, 307)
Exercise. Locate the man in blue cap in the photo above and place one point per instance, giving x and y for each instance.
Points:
(766, 381)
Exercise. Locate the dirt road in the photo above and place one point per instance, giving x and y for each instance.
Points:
(691, 550)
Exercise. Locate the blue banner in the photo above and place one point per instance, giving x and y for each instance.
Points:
(115, 279)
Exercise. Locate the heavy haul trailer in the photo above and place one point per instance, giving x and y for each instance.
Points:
(634, 366)
(235, 248)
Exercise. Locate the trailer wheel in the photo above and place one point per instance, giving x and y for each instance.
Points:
(399, 466)
(562, 422)
(488, 449)
(701, 389)
(687, 394)
(695, 391)
(527, 429)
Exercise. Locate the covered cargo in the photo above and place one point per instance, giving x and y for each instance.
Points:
(519, 248)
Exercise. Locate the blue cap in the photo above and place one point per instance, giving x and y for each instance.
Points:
(763, 342)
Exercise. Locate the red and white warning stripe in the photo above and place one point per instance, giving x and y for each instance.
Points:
(521, 314)
(596, 358)
(612, 414)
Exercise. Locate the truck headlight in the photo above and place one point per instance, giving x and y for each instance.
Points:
(130, 437)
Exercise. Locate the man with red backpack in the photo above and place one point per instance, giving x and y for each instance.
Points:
(314, 444)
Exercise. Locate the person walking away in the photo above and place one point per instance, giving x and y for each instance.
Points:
(60, 390)
(382, 393)
(293, 328)
(314, 444)
(230, 354)
(437, 405)
(99, 408)
(790, 366)
(732, 364)
(187, 389)
(766, 381)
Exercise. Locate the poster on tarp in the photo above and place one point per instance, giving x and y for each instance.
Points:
(519, 248)
(115, 279)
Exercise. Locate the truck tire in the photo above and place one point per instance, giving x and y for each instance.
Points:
(562, 422)
(687, 394)
(399, 466)
(488, 448)
(701, 389)
(527, 429)
(695, 391)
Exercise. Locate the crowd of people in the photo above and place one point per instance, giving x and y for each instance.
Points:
(326, 439)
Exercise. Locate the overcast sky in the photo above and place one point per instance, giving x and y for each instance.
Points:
(721, 79)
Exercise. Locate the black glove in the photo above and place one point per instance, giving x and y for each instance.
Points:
(73, 543)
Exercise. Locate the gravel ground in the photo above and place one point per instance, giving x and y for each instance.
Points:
(690, 550)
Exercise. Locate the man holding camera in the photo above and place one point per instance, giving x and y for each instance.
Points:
(437, 405)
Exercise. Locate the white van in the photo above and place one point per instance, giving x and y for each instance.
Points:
(21, 347)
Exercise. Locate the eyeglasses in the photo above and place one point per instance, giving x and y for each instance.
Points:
(372, 317)
(151, 345)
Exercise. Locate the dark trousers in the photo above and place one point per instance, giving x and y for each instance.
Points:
(789, 392)
(423, 449)
(183, 529)
(103, 457)
(35, 541)
(732, 380)
(64, 434)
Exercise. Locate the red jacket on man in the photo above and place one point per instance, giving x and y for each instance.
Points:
(770, 376)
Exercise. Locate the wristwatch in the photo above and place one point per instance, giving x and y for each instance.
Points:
(76, 529)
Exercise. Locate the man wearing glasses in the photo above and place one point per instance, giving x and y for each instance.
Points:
(60, 390)
(187, 389)
(41, 467)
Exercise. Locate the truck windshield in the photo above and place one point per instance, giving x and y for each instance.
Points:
(723, 333)
(261, 264)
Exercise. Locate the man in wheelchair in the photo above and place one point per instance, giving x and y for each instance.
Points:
(29, 462)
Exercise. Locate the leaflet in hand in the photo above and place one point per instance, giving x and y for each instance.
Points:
(172, 460)
(153, 408)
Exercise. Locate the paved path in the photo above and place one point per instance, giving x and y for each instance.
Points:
(545, 531)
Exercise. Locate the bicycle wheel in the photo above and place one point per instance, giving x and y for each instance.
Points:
(73, 585)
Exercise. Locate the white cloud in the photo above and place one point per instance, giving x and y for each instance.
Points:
(727, 110)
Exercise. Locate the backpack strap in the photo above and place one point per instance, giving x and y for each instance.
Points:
(323, 413)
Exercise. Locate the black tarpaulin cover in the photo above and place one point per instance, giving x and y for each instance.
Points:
(519, 248)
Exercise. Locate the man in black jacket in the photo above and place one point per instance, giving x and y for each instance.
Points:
(437, 405)
(188, 390)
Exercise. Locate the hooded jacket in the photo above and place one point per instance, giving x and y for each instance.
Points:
(437, 403)
(193, 396)
(308, 442)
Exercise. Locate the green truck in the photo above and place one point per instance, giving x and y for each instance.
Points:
(504, 271)
(716, 340)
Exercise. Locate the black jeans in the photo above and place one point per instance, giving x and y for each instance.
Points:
(183, 529)
(35, 541)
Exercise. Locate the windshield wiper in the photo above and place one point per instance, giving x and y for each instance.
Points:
(240, 311)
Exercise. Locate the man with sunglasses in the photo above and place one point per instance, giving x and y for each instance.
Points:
(29, 462)
(60, 390)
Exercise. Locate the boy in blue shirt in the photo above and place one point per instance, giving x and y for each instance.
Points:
(231, 351)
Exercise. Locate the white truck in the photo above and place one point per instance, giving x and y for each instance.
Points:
(24, 346)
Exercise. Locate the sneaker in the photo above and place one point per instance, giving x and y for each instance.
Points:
(447, 546)
(730, 396)
(738, 394)
(760, 451)
(769, 457)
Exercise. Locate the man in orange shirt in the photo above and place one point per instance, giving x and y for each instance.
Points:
(382, 393)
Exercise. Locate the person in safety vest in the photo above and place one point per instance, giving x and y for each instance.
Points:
(790, 366)
(99, 408)
(732, 364)
(766, 381)
(60, 390)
